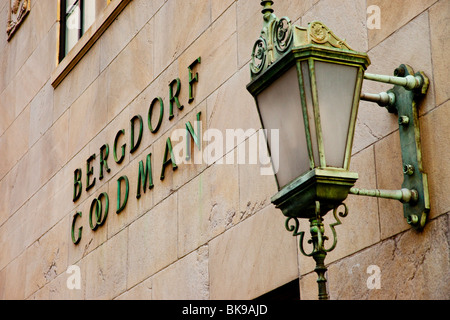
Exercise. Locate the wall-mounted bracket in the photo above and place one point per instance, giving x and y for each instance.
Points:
(403, 100)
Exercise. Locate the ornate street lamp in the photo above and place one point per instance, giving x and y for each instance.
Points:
(307, 84)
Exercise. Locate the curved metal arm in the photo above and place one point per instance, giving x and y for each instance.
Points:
(384, 99)
(409, 82)
(403, 195)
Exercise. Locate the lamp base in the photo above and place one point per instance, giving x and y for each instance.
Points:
(329, 186)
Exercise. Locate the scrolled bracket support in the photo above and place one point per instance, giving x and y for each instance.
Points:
(318, 238)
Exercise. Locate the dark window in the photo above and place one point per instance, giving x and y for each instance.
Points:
(76, 17)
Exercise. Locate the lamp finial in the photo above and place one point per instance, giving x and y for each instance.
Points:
(267, 7)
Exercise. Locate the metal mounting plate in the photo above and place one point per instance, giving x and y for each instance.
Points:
(406, 105)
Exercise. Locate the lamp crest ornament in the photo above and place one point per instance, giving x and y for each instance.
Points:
(278, 35)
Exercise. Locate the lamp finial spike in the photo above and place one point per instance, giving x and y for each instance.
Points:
(267, 7)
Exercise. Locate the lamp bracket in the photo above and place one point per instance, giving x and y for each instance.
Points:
(403, 100)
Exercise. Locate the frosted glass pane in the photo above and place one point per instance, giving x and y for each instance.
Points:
(280, 108)
(336, 87)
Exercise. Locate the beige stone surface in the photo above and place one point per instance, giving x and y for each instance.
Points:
(12, 280)
(257, 196)
(207, 206)
(105, 272)
(186, 279)
(217, 47)
(390, 177)
(11, 229)
(152, 242)
(88, 115)
(177, 25)
(218, 7)
(394, 15)
(410, 45)
(41, 113)
(412, 266)
(46, 258)
(440, 38)
(15, 140)
(266, 261)
(124, 29)
(142, 291)
(241, 112)
(435, 141)
(77, 81)
(130, 72)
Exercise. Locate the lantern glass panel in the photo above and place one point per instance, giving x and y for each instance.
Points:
(336, 85)
(280, 108)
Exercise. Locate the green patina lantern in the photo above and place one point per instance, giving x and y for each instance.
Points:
(307, 84)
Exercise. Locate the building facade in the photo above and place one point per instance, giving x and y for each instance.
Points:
(128, 167)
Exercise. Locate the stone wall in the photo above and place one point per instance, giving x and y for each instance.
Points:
(207, 231)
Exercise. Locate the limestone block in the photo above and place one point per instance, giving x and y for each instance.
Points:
(411, 266)
(88, 115)
(106, 273)
(130, 72)
(14, 142)
(390, 176)
(77, 81)
(41, 113)
(186, 279)
(435, 141)
(410, 45)
(218, 7)
(217, 47)
(36, 71)
(58, 289)
(12, 229)
(49, 154)
(12, 279)
(152, 241)
(47, 258)
(142, 291)
(177, 25)
(255, 195)
(130, 21)
(440, 37)
(394, 15)
(240, 112)
(207, 206)
(252, 258)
